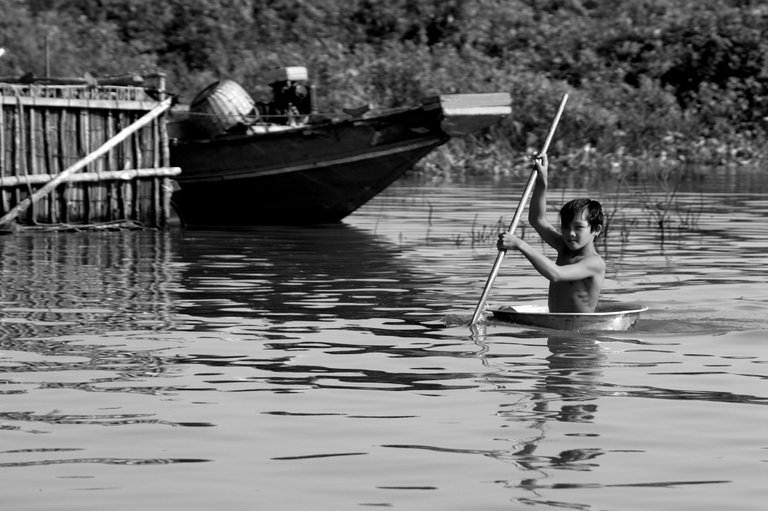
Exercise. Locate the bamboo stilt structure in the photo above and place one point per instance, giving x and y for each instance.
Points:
(64, 175)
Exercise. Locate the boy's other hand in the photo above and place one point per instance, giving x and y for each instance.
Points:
(508, 241)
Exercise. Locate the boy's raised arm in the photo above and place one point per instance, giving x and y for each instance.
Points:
(537, 216)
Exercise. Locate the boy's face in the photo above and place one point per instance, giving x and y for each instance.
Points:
(578, 234)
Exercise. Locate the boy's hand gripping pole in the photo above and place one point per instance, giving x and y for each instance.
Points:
(518, 213)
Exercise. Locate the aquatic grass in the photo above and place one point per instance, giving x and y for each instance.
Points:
(634, 189)
(485, 233)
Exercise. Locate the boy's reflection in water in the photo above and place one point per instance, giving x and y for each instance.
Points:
(565, 390)
(574, 369)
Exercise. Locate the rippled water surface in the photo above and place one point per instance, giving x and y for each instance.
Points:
(332, 367)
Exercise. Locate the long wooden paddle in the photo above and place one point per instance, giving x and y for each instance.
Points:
(518, 213)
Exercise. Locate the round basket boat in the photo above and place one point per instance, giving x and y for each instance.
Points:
(221, 106)
(607, 316)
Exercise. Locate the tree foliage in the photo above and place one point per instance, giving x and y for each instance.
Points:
(638, 71)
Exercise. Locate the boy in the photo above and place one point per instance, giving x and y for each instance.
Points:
(576, 278)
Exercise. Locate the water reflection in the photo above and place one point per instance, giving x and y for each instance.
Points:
(64, 283)
(537, 388)
(574, 371)
(565, 389)
(70, 302)
(290, 274)
(61, 288)
(568, 388)
(315, 354)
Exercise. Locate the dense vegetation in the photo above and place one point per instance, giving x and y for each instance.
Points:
(683, 81)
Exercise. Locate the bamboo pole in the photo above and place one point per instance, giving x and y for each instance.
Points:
(62, 162)
(91, 177)
(16, 149)
(88, 192)
(3, 166)
(28, 151)
(156, 201)
(47, 158)
(64, 175)
(2, 141)
(167, 190)
(131, 194)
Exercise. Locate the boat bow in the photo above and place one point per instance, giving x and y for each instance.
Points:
(464, 114)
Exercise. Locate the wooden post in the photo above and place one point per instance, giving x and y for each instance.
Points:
(62, 177)
(166, 198)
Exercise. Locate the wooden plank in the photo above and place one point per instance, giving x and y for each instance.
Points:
(127, 80)
(111, 104)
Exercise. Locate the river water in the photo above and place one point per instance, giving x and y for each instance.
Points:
(331, 368)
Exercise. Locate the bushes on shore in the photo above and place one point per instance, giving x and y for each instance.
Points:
(650, 81)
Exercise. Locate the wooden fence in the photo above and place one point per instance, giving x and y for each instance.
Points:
(84, 153)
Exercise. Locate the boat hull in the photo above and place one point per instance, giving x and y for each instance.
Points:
(612, 316)
(319, 172)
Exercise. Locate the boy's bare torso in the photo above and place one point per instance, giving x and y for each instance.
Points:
(576, 295)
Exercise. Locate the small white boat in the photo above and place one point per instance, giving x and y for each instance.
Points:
(607, 316)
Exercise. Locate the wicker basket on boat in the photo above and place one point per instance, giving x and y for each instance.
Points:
(221, 106)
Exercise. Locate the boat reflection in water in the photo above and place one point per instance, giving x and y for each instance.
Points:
(273, 276)
(89, 283)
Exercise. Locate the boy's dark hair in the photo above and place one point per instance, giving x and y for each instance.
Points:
(593, 212)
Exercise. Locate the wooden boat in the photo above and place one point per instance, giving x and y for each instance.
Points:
(607, 316)
(245, 163)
